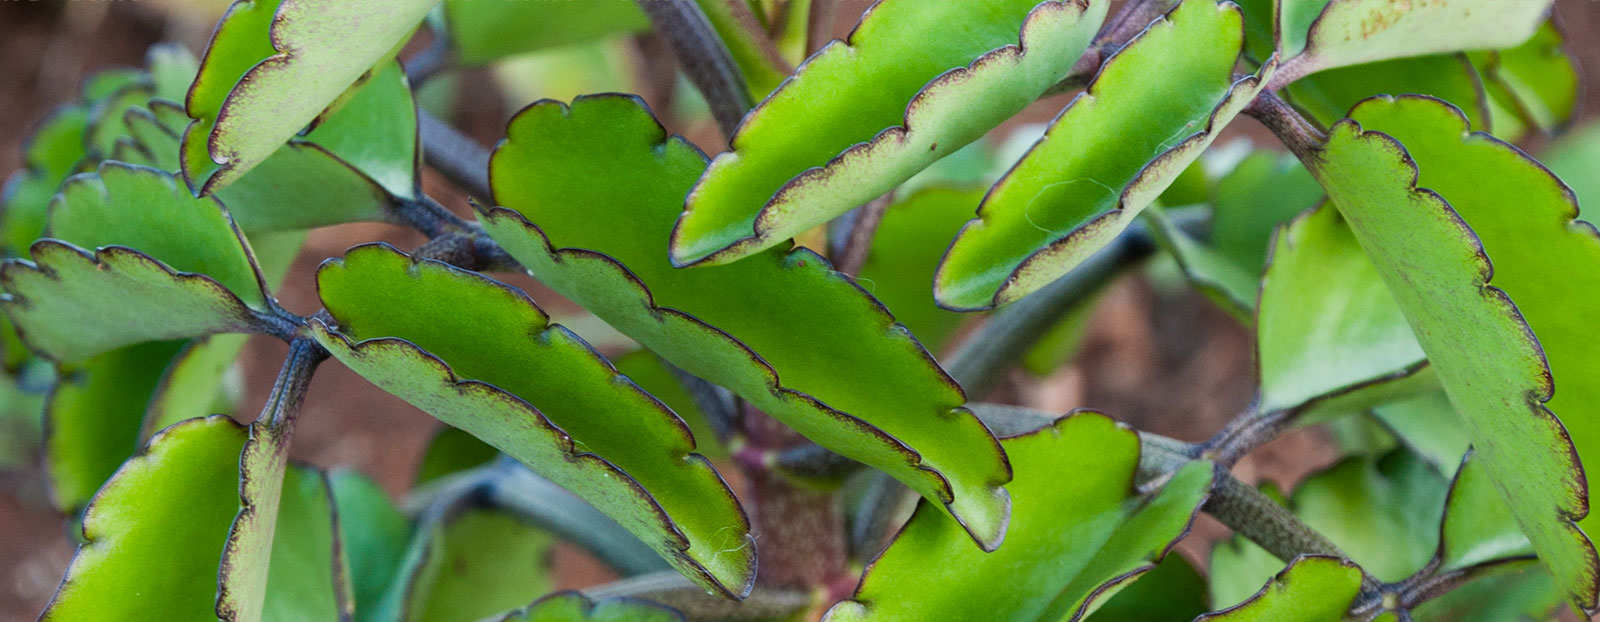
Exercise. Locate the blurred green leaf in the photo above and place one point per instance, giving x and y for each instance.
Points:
(862, 116)
(781, 329)
(452, 450)
(1173, 590)
(1538, 80)
(374, 536)
(472, 564)
(482, 31)
(905, 252)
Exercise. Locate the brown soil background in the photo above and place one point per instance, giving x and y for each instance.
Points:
(1166, 362)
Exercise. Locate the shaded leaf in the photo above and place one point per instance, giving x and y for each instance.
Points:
(1576, 159)
(1482, 346)
(373, 534)
(1383, 512)
(94, 417)
(168, 266)
(594, 432)
(50, 154)
(863, 115)
(273, 67)
(1079, 532)
(1537, 80)
(1322, 34)
(468, 565)
(1327, 327)
(192, 384)
(1173, 590)
(800, 341)
(1312, 589)
(1327, 95)
(1429, 426)
(453, 450)
(575, 607)
(1114, 149)
(906, 251)
(308, 578)
(481, 32)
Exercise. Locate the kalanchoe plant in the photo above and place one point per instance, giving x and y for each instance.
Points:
(796, 428)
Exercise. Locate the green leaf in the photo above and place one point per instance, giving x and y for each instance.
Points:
(1079, 532)
(1312, 589)
(906, 251)
(575, 607)
(800, 341)
(650, 372)
(474, 563)
(1111, 152)
(273, 67)
(481, 32)
(167, 508)
(94, 417)
(308, 577)
(595, 432)
(1383, 512)
(862, 116)
(193, 382)
(453, 450)
(1327, 328)
(169, 266)
(1212, 272)
(1249, 203)
(1326, 96)
(1538, 79)
(1478, 526)
(1429, 425)
(1173, 590)
(357, 164)
(1435, 256)
(1321, 34)
(1574, 160)
(50, 154)
(373, 533)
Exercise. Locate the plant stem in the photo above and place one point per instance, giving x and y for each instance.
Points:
(1296, 132)
(1244, 433)
(433, 60)
(1132, 20)
(429, 217)
(1258, 518)
(289, 390)
(854, 233)
(461, 160)
(801, 530)
(469, 250)
(1431, 585)
(671, 589)
(819, 24)
(704, 57)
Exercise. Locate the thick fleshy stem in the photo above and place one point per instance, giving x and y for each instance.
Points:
(704, 58)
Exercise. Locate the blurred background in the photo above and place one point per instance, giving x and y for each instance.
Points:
(1154, 353)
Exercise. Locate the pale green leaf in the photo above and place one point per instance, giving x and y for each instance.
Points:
(265, 79)
(1153, 108)
(782, 329)
(909, 87)
(168, 266)
(373, 534)
(1314, 35)
(1426, 200)
(1537, 80)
